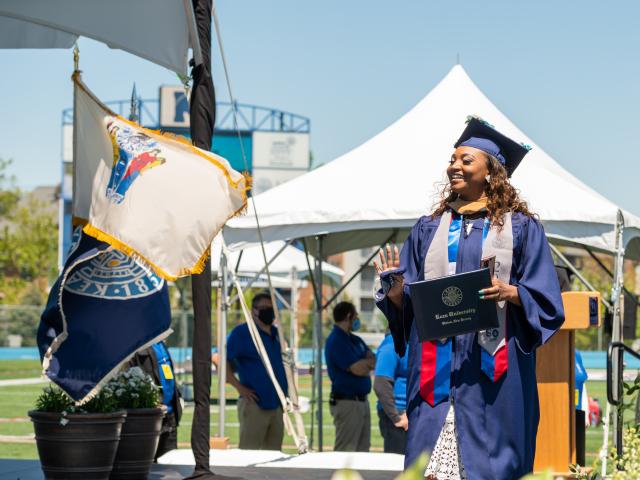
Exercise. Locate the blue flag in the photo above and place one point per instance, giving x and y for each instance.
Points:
(103, 308)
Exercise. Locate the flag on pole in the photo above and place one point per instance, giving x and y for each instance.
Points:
(150, 195)
(103, 308)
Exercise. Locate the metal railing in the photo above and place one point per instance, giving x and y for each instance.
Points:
(618, 349)
(252, 118)
(614, 346)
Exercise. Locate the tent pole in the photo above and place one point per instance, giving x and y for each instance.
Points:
(222, 343)
(314, 284)
(235, 270)
(318, 340)
(629, 294)
(616, 336)
(283, 300)
(318, 299)
(293, 323)
(600, 339)
(616, 330)
(577, 273)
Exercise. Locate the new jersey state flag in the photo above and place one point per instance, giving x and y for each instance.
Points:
(104, 307)
(152, 196)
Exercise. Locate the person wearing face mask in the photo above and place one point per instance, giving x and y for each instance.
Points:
(349, 363)
(472, 399)
(259, 408)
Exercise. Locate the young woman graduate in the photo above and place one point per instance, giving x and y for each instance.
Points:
(472, 400)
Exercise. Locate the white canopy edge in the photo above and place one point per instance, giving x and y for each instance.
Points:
(341, 237)
(160, 31)
(16, 33)
(247, 281)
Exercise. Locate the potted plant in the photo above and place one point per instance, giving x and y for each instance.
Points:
(135, 392)
(76, 442)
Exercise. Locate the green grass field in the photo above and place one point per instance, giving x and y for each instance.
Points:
(15, 427)
(10, 369)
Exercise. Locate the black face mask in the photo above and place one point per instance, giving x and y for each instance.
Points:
(266, 315)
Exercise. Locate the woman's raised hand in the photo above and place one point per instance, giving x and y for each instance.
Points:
(391, 261)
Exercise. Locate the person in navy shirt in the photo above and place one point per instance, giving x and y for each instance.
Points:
(349, 362)
(390, 385)
(259, 408)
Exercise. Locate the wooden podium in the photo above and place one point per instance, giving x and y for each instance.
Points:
(555, 369)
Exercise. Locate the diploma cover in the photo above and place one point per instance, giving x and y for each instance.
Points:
(448, 306)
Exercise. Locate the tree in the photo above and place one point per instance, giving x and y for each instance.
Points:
(28, 256)
(32, 241)
(9, 193)
(29, 235)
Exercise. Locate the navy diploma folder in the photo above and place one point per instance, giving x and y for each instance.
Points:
(448, 306)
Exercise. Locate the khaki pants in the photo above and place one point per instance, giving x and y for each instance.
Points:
(352, 419)
(260, 429)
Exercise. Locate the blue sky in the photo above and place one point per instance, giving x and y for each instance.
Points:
(565, 72)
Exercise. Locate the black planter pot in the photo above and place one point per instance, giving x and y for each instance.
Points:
(138, 444)
(82, 449)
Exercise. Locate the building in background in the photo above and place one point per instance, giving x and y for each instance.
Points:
(272, 145)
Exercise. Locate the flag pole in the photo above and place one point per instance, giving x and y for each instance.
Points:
(202, 119)
(74, 141)
(134, 116)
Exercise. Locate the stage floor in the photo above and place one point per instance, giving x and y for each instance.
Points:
(247, 464)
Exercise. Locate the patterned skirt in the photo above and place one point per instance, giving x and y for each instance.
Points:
(445, 463)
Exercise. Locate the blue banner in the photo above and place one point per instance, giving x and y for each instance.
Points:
(103, 308)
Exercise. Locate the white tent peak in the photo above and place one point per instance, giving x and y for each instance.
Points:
(388, 182)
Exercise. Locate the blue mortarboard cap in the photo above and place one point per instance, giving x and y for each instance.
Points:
(481, 135)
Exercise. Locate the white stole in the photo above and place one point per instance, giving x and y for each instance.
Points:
(498, 244)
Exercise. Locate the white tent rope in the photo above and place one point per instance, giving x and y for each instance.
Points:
(302, 446)
(289, 405)
(234, 109)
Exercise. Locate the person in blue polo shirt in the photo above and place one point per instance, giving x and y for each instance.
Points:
(390, 385)
(259, 408)
(349, 362)
(156, 361)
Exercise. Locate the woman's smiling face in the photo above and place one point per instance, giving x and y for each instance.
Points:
(467, 171)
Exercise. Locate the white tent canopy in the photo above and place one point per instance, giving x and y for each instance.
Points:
(158, 30)
(380, 188)
(285, 259)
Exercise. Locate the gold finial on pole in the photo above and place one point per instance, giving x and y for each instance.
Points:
(76, 57)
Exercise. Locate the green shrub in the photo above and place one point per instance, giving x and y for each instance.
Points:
(134, 389)
(53, 399)
(103, 402)
(627, 465)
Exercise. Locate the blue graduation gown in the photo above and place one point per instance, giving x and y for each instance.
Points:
(496, 422)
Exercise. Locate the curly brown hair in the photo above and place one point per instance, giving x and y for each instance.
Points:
(502, 196)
